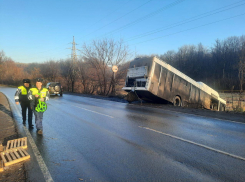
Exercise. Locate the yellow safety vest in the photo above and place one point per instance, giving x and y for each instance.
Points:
(43, 92)
(23, 90)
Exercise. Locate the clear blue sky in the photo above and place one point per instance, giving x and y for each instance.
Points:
(40, 30)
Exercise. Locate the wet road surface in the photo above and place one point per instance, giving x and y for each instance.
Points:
(98, 140)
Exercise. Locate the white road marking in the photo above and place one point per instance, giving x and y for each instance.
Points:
(89, 110)
(41, 163)
(194, 143)
(207, 117)
(93, 111)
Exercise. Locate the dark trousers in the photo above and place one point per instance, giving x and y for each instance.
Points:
(24, 107)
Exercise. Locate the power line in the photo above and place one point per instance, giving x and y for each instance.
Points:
(184, 22)
(146, 17)
(138, 20)
(158, 30)
(96, 23)
(189, 29)
(120, 17)
(110, 13)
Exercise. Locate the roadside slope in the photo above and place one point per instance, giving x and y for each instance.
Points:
(8, 131)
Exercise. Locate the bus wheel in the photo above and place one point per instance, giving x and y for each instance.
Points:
(177, 101)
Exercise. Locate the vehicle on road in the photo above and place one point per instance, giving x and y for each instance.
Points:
(55, 88)
(152, 79)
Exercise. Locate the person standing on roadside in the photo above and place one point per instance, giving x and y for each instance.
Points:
(21, 97)
(35, 95)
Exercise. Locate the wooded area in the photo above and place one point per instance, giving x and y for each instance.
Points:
(221, 66)
(90, 73)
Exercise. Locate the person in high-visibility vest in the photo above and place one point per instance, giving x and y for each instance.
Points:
(21, 98)
(36, 96)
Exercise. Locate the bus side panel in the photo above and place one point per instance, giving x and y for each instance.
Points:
(205, 99)
(197, 98)
(186, 95)
(182, 88)
(194, 96)
(162, 83)
(168, 94)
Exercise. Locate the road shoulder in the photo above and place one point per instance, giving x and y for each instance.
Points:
(8, 131)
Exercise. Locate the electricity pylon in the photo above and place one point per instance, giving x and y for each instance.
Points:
(73, 70)
(73, 51)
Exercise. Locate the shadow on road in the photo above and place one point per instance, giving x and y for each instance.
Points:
(5, 110)
(12, 137)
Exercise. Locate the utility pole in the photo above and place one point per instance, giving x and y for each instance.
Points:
(73, 66)
(73, 52)
(114, 69)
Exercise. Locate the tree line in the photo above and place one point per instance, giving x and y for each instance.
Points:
(90, 73)
(221, 66)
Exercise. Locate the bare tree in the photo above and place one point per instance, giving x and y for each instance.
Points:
(64, 71)
(102, 55)
(168, 57)
(87, 77)
(2, 56)
(1, 65)
(241, 66)
(72, 73)
(121, 75)
(50, 70)
(35, 73)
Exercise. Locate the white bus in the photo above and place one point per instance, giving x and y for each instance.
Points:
(154, 80)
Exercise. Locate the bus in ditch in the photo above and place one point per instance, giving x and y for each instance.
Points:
(152, 79)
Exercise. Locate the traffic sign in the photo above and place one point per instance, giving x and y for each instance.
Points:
(114, 68)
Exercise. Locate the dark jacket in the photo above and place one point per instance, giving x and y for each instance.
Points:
(21, 94)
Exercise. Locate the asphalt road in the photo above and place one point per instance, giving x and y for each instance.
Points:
(97, 140)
